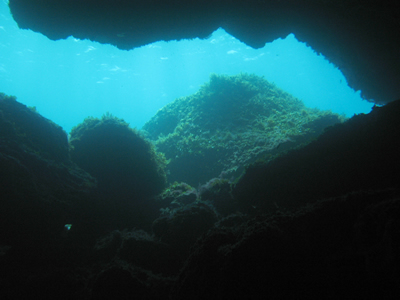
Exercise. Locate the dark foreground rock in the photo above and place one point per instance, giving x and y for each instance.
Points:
(54, 214)
(360, 154)
(41, 189)
(346, 247)
(339, 239)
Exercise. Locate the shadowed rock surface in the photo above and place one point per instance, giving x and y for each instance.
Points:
(321, 220)
(346, 247)
(359, 154)
(41, 189)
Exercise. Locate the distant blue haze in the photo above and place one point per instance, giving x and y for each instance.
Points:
(71, 79)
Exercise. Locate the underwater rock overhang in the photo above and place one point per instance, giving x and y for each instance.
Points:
(361, 37)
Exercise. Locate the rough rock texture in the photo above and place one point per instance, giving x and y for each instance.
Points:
(359, 154)
(361, 37)
(181, 228)
(229, 123)
(128, 170)
(124, 163)
(41, 189)
(346, 247)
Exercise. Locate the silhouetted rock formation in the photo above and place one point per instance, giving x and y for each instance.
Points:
(361, 37)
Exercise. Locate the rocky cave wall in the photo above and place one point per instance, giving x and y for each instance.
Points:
(360, 37)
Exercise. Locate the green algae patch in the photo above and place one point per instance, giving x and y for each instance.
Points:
(229, 123)
(125, 164)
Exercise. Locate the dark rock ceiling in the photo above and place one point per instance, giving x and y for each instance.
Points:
(361, 37)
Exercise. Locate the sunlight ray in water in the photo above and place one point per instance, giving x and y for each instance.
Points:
(68, 80)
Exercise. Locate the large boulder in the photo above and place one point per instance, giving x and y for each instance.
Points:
(128, 169)
(229, 123)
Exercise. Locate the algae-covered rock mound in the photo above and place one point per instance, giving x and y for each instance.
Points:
(124, 163)
(231, 122)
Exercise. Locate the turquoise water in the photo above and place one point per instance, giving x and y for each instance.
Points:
(68, 80)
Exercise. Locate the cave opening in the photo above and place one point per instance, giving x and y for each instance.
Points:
(68, 80)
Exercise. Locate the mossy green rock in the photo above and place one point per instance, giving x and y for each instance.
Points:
(124, 163)
(229, 123)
